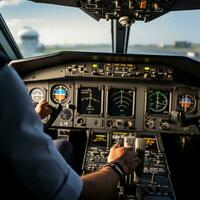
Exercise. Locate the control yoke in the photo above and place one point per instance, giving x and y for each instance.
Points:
(54, 115)
(186, 119)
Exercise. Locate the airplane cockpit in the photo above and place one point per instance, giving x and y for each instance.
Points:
(144, 100)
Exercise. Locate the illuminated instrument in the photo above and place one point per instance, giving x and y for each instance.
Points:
(186, 103)
(157, 101)
(60, 94)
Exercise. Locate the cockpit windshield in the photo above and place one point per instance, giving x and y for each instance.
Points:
(174, 33)
(40, 29)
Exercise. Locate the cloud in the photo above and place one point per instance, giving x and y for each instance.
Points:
(10, 2)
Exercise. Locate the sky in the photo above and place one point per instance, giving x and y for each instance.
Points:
(66, 25)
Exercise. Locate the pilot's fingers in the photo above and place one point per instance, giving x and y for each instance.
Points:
(44, 103)
(115, 146)
(130, 148)
(45, 112)
(42, 100)
(47, 109)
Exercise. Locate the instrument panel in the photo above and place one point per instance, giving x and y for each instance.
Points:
(113, 97)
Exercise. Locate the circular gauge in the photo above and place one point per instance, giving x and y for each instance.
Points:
(37, 95)
(66, 114)
(89, 100)
(186, 103)
(60, 94)
(150, 123)
(157, 102)
(120, 102)
(164, 124)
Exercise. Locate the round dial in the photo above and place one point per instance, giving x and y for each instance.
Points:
(157, 102)
(89, 100)
(150, 123)
(186, 103)
(60, 94)
(120, 102)
(37, 95)
(66, 114)
(164, 125)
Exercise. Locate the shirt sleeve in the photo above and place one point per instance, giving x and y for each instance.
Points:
(30, 152)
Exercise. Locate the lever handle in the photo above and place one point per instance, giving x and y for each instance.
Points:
(54, 115)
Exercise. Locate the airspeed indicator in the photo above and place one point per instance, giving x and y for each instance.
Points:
(37, 94)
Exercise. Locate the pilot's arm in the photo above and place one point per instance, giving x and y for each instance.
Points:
(104, 181)
(29, 152)
(33, 159)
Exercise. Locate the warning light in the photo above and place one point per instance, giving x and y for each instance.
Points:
(146, 68)
(95, 66)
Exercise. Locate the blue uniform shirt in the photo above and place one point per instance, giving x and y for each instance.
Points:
(29, 160)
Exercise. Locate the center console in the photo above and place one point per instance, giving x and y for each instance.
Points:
(152, 184)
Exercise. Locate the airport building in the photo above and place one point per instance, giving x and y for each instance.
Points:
(29, 41)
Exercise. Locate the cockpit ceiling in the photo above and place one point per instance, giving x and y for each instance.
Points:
(129, 11)
(178, 4)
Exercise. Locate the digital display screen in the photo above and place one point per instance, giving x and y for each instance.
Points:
(119, 133)
(157, 101)
(99, 140)
(120, 102)
(150, 144)
(89, 101)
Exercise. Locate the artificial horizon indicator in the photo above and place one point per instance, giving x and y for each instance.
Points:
(60, 94)
(186, 103)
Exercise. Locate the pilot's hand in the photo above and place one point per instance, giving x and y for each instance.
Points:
(126, 156)
(43, 109)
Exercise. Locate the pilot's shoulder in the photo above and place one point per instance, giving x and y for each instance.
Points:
(3, 60)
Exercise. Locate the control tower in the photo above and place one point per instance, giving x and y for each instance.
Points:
(29, 41)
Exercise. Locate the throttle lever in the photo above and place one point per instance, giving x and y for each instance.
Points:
(54, 115)
(140, 150)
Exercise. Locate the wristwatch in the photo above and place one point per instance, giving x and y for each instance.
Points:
(117, 168)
